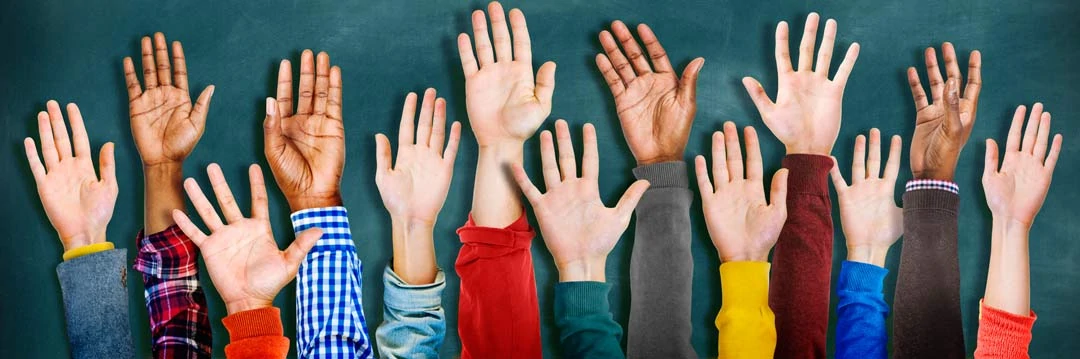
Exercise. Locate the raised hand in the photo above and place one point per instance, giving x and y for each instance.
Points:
(414, 188)
(872, 222)
(78, 203)
(577, 228)
(505, 104)
(1016, 191)
(244, 262)
(806, 113)
(743, 226)
(943, 127)
(656, 107)
(165, 125)
(306, 148)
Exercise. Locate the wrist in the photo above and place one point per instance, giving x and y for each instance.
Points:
(659, 159)
(163, 169)
(77, 240)
(582, 270)
(744, 257)
(944, 174)
(414, 250)
(502, 151)
(246, 304)
(1011, 225)
(869, 254)
(300, 203)
(801, 149)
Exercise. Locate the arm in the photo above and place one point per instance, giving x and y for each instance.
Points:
(806, 118)
(872, 223)
(1014, 193)
(744, 228)
(506, 104)
(927, 321)
(166, 128)
(580, 232)
(656, 110)
(413, 191)
(79, 205)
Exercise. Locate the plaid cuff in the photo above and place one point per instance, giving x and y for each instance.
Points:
(914, 185)
(334, 222)
(168, 254)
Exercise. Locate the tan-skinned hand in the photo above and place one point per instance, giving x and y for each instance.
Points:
(245, 264)
(656, 107)
(743, 226)
(79, 204)
(943, 127)
(1015, 192)
(871, 220)
(807, 111)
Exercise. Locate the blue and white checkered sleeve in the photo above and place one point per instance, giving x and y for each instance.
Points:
(329, 313)
(921, 184)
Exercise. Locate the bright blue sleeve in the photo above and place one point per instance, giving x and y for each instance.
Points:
(861, 312)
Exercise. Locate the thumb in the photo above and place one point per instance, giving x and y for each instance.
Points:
(990, 163)
(953, 125)
(688, 83)
(202, 107)
(630, 199)
(545, 84)
(757, 94)
(107, 164)
(834, 173)
(273, 139)
(383, 156)
(778, 192)
(299, 249)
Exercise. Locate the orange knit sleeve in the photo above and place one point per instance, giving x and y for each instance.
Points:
(1003, 335)
(256, 334)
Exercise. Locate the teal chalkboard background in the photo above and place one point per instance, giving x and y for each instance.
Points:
(72, 50)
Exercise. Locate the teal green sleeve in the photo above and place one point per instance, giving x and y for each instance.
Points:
(583, 319)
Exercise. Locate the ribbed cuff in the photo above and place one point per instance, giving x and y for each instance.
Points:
(254, 323)
(404, 296)
(664, 174)
(861, 277)
(87, 249)
(933, 199)
(809, 174)
(1004, 329)
(575, 299)
(516, 235)
(744, 284)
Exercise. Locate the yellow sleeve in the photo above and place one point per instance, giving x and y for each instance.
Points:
(747, 326)
(87, 249)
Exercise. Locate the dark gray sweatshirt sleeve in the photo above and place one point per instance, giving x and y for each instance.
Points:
(661, 266)
(96, 305)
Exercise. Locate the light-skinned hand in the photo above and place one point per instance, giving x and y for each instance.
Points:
(1015, 192)
(871, 220)
(943, 127)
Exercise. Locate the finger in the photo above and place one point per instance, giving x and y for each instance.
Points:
(284, 89)
(527, 188)
(757, 94)
(48, 144)
(307, 83)
(1012, 142)
(858, 161)
(78, 132)
(202, 205)
(753, 154)
(590, 159)
(333, 103)
(408, 115)
(1030, 130)
(161, 54)
(701, 170)
(618, 60)
(465, 53)
(892, 166)
(952, 66)
(1043, 138)
(148, 66)
(657, 55)
(824, 56)
(500, 34)
(522, 43)
(423, 125)
(59, 130)
(917, 91)
(190, 229)
(783, 49)
(990, 161)
(224, 195)
(567, 160)
(806, 46)
(383, 156)
(974, 80)
(1055, 151)
(873, 158)
(131, 79)
(180, 75)
(298, 250)
(688, 83)
(629, 200)
(549, 164)
(450, 154)
(734, 154)
(273, 138)
(719, 160)
(36, 167)
(953, 123)
(614, 82)
(630, 46)
(844, 71)
(107, 164)
(837, 178)
(933, 74)
(483, 43)
(438, 126)
(259, 202)
(779, 190)
(322, 82)
(202, 107)
(545, 85)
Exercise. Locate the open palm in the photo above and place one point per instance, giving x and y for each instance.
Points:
(1017, 190)
(943, 126)
(871, 220)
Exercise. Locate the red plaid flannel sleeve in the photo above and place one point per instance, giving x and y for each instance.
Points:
(179, 322)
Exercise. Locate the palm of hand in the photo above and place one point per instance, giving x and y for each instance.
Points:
(417, 186)
(501, 102)
(807, 111)
(311, 162)
(870, 215)
(75, 201)
(649, 109)
(575, 223)
(932, 145)
(1019, 188)
(245, 262)
(741, 220)
(162, 125)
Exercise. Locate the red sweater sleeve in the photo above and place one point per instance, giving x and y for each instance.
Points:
(1003, 335)
(256, 334)
(498, 312)
(799, 290)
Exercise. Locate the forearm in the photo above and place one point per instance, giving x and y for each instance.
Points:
(414, 323)
(496, 198)
(746, 325)
(662, 266)
(583, 318)
(95, 298)
(1008, 280)
(162, 194)
(861, 312)
(414, 251)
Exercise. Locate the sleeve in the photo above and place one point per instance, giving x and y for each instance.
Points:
(926, 306)
(498, 311)
(94, 288)
(746, 325)
(175, 303)
(256, 334)
(802, 260)
(1003, 335)
(329, 312)
(861, 312)
(583, 319)
(414, 323)
(661, 266)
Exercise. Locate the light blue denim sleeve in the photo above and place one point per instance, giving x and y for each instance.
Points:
(414, 323)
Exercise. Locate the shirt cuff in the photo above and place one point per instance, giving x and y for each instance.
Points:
(921, 184)
(87, 249)
(517, 235)
(664, 174)
(576, 299)
(168, 254)
(334, 222)
(809, 174)
(404, 296)
(861, 277)
(1008, 329)
(745, 284)
(254, 323)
